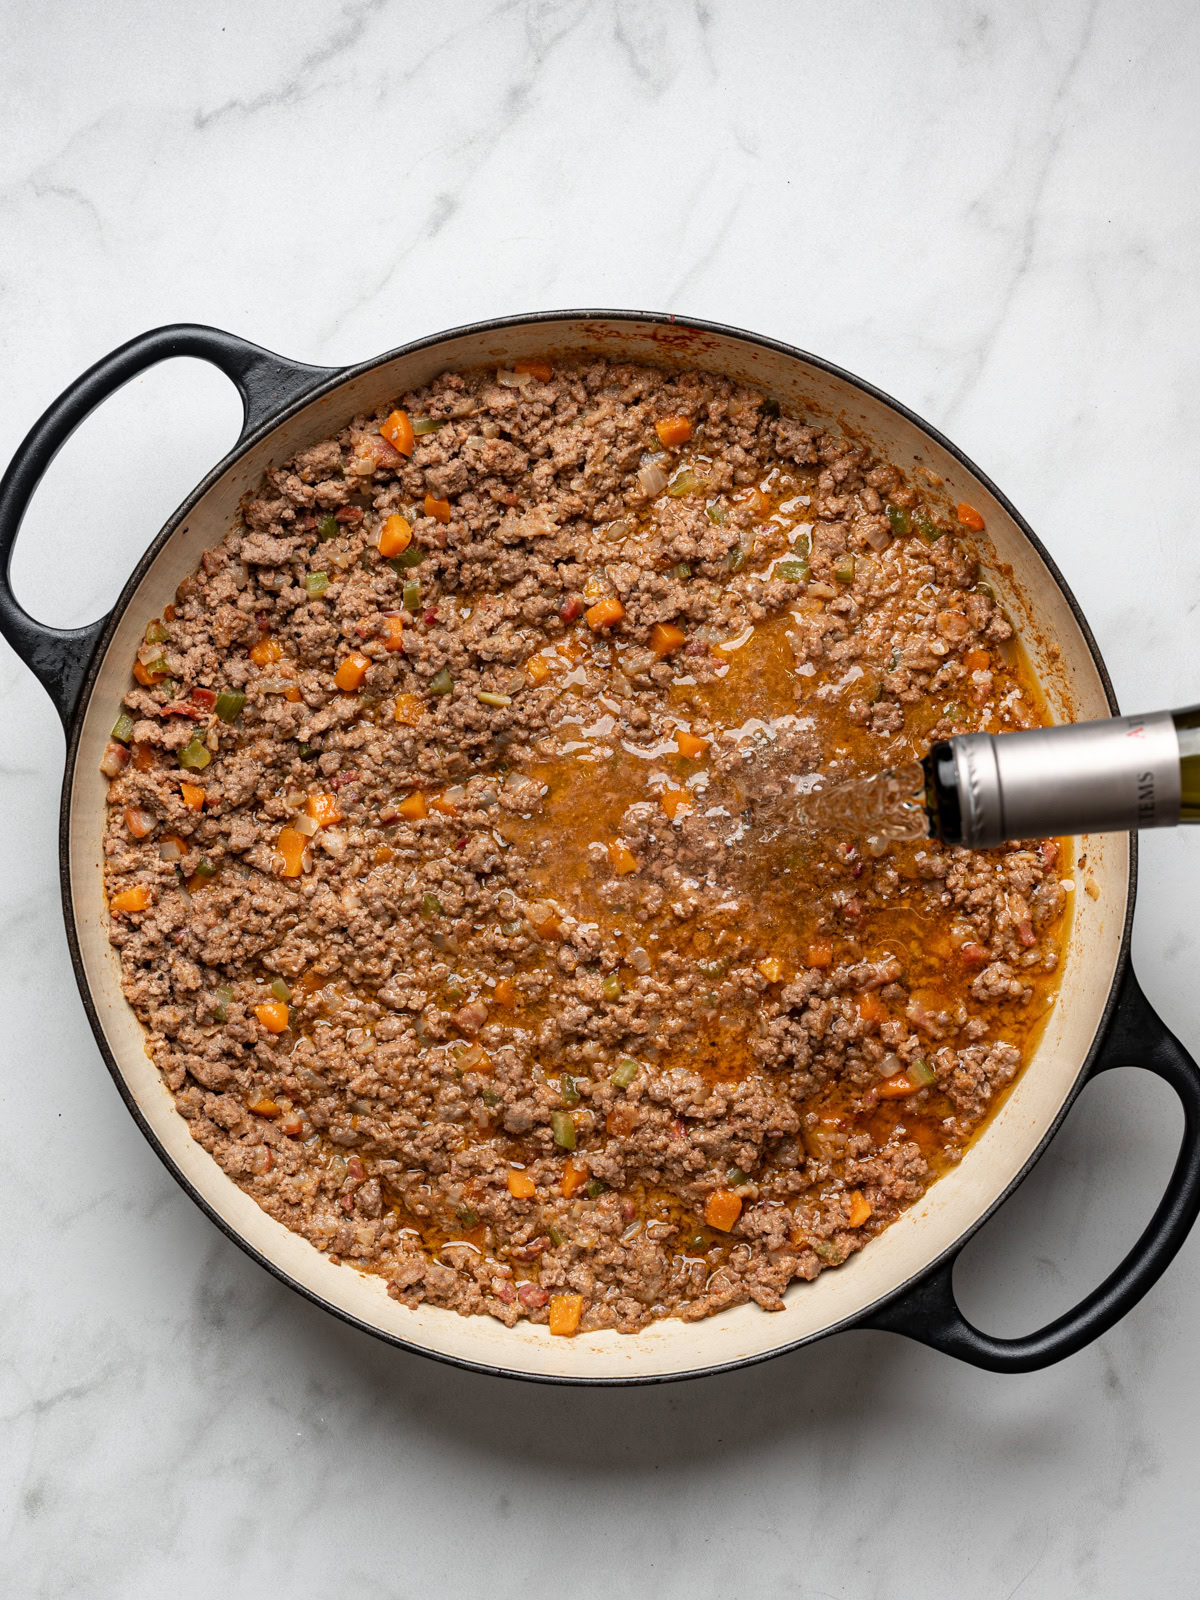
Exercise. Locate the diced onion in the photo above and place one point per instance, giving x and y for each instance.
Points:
(306, 825)
(890, 1066)
(639, 960)
(513, 380)
(652, 479)
(169, 850)
(878, 538)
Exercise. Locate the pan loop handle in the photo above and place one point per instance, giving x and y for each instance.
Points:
(267, 383)
(929, 1312)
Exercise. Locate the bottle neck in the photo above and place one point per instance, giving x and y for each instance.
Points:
(1083, 777)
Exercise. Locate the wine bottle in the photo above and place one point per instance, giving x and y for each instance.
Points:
(1081, 777)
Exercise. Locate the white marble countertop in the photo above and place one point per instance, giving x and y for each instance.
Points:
(990, 211)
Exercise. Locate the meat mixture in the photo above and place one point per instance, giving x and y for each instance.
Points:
(452, 865)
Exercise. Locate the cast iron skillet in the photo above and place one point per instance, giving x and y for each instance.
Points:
(274, 389)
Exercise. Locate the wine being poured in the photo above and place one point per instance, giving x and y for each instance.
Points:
(981, 789)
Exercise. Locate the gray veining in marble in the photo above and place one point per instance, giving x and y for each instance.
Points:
(991, 210)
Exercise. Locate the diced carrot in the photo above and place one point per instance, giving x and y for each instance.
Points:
(393, 633)
(977, 660)
(192, 795)
(143, 756)
(394, 537)
(549, 927)
(575, 1175)
(413, 806)
(197, 882)
(168, 613)
(673, 431)
(622, 857)
(969, 517)
(537, 669)
(144, 675)
(439, 510)
(174, 838)
(771, 969)
(895, 1087)
(407, 710)
(689, 744)
(674, 800)
(139, 822)
(520, 1185)
(541, 370)
(820, 955)
(505, 993)
(273, 1014)
(292, 693)
(398, 431)
(604, 614)
(722, 1210)
(262, 1105)
(860, 1209)
(135, 899)
(757, 501)
(291, 846)
(565, 1312)
(666, 638)
(265, 651)
(352, 671)
(323, 809)
(871, 1009)
(446, 807)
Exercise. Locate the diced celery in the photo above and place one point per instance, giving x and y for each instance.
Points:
(927, 527)
(562, 1126)
(194, 755)
(123, 728)
(412, 557)
(792, 569)
(229, 704)
(626, 1072)
(316, 583)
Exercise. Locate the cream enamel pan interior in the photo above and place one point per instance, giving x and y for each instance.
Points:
(1074, 684)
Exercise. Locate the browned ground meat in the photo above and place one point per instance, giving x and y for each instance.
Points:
(495, 861)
